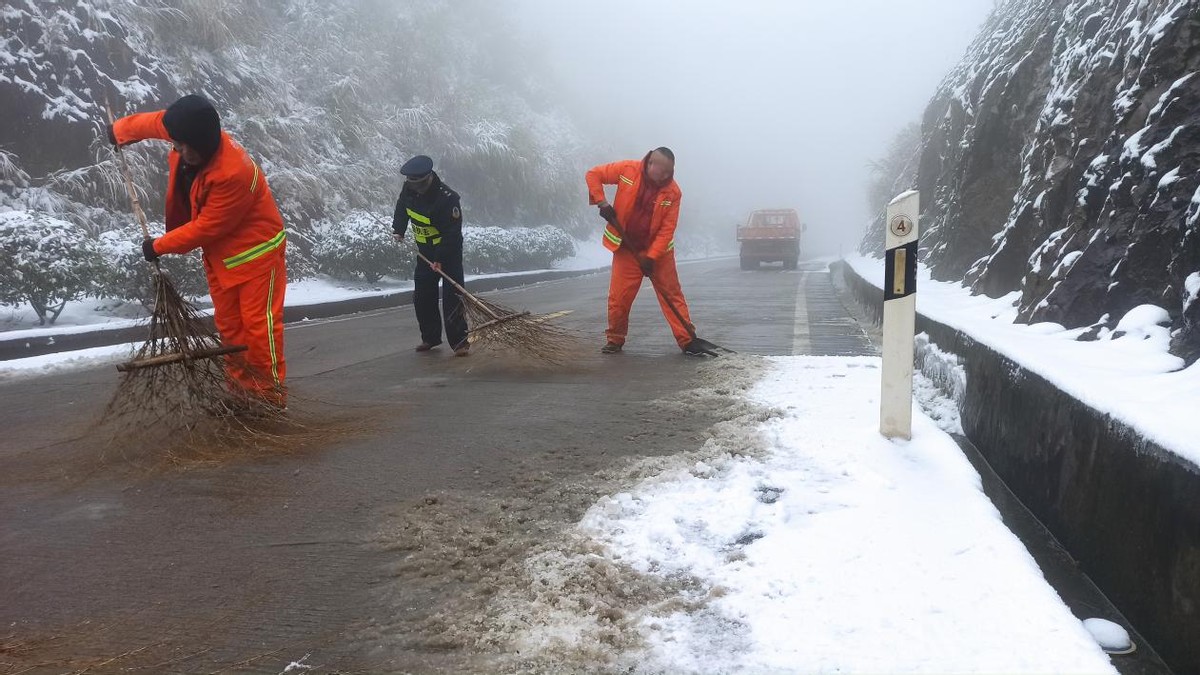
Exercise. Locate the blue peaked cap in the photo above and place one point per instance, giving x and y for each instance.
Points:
(417, 167)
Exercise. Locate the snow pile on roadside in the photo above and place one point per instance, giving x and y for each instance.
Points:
(835, 551)
(49, 364)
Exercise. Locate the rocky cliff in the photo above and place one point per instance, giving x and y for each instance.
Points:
(1060, 159)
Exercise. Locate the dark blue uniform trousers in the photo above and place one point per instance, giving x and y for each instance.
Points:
(425, 299)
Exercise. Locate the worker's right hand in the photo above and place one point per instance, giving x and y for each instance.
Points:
(148, 250)
(396, 236)
(607, 212)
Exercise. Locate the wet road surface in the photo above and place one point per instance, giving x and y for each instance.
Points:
(347, 545)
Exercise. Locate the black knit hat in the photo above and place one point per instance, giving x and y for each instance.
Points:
(193, 121)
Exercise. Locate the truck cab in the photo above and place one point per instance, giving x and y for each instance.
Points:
(770, 235)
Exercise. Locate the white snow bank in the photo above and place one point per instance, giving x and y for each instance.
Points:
(840, 551)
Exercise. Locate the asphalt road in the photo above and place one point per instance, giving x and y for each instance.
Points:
(361, 539)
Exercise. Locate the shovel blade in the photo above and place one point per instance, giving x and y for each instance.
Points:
(701, 346)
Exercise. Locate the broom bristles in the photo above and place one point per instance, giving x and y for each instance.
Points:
(530, 335)
(180, 394)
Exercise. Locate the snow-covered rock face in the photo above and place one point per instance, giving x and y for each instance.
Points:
(57, 62)
(1061, 159)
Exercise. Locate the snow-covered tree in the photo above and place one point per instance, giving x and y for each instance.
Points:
(12, 176)
(329, 96)
(891, 174)
(45, 261)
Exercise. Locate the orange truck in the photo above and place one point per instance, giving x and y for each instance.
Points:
(770, 235)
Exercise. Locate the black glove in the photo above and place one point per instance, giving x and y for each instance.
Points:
(112, 137)
(608, 213)
(148, 250)
(647, 265)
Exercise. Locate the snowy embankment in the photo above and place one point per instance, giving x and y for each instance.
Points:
(92, 314)
(1127, 373)
(87, 314)
(828, 549)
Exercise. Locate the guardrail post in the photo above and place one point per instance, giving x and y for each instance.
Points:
(899, 315)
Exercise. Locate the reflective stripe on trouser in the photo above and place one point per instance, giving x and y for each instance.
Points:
(624, 285)
(425, 301)
(251, 314)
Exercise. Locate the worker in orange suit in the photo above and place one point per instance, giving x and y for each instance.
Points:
(646, 211)
(218, 200)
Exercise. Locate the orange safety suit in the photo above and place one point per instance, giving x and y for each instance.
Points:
(232, 216)
(627, 274)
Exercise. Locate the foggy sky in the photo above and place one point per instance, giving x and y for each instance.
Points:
(766, 103)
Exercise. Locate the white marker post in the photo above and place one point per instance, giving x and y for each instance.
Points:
(899, 315)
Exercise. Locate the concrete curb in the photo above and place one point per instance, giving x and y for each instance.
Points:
(19, 347)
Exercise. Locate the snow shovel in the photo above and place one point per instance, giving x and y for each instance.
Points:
(699, 344)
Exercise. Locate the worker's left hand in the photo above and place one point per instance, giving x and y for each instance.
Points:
(647, 264)
(435, 266)
(148, 250)
(110, 135)
(607, 212)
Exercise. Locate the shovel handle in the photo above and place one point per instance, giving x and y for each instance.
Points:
(691, 330)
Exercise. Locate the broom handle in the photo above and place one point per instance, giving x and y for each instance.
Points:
(666, 301)
(137, 204)
(458, 287)
(476, 301)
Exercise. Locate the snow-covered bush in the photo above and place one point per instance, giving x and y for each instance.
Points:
(45, 261)
(543, 246)
(494, 249)
(126, 275)
(360, 247)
